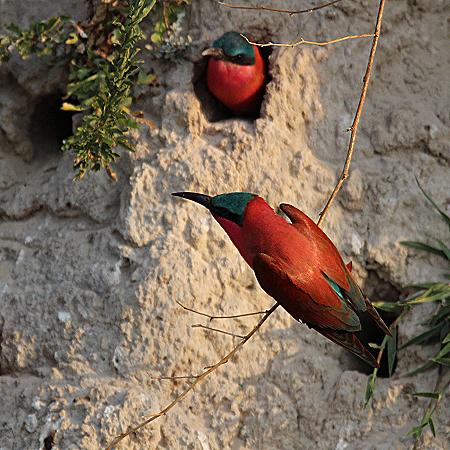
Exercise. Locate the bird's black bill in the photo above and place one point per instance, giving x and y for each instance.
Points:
(214, 52)
(202, 199)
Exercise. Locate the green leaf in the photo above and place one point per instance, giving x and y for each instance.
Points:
(431, 425)
(444, 248)
(446, 339)
(72, 39)
(391, 350)
(442, 361)
(116, 36)
(420, 369)
(444, 216)
(388, 306)
(370, 388)
(435, 395)
(426, 298)
(424, 247)
(423, 337)
(444, 351)
(444, 330)
(442, 314)
(416, 432)
(424, 285)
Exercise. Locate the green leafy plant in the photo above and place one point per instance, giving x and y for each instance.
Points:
(42, 38)
(103, 68)
(105, 127)
(438, 326)
(167, 38)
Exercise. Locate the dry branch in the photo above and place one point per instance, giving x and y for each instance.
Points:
(284, 11)
(211, 317)
(344, 175)
(201, 377)
(304, 42)
(354, 127)
(216, 330)
(178, 377)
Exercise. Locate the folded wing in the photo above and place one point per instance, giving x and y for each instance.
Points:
(337, 274)
(337, 323)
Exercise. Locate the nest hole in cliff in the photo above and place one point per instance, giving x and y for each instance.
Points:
(375, 288)
(49, 441)
(49, 126)
(212, 108)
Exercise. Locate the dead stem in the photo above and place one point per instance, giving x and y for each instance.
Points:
(236, 316)
(191, 387)
(284, 11)
(204, 327)
(178, 377)
(354, 127)
(304, 42)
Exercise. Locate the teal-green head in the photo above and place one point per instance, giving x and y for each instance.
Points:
(230, 206)
(232, 47)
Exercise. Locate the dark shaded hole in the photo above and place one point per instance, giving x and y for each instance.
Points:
(49, 441)
(379, 289)
(213, 109)
(49, 126)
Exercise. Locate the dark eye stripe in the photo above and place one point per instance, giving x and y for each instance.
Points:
(241, 59)
(227, 214)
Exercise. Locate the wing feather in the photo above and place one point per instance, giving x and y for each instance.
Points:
(301, 297)
(350, 342)
(328, 254)
(331, 263)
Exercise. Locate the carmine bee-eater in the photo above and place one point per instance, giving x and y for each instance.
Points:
(236, 73)
(296, 264)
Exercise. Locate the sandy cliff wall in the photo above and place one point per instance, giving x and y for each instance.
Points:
(90, 272)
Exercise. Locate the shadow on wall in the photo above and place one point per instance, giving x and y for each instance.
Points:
(49, 126)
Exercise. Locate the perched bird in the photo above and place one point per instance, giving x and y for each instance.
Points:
(296, 264)
(236, 73)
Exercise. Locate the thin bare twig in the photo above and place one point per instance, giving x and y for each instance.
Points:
(304, 42)
(178, 377)
(204, 327)
(284, 11)
(236, 316)
(354, 127)
(200, 378)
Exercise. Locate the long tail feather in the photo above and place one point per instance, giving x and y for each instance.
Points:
(350, 342)
(376, 317)
(362, 304)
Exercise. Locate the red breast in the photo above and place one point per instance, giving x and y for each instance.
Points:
(262, 231)
(239, 87)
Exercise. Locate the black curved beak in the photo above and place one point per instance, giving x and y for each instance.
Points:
(202, 199)
(214, 52)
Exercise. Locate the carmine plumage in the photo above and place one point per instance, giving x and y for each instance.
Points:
(296, 264)
(236, 73)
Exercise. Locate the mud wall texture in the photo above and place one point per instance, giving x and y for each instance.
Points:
(90, 272)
